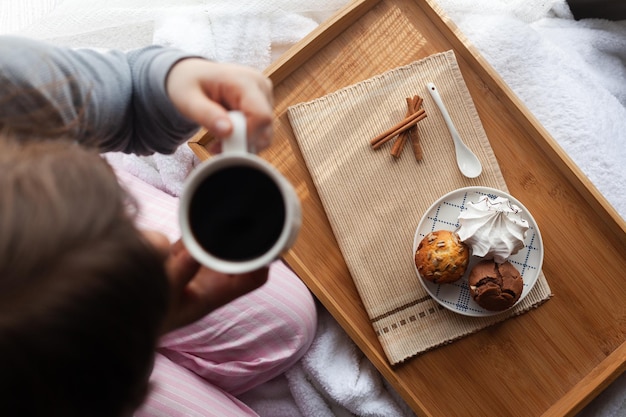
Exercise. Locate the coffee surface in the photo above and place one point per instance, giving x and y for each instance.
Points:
(237, 213)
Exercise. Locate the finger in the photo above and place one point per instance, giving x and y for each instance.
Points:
(260, 133)
(180, 268)
(208, 114)
(243, 284)
(257, 105)
(157, 240)
(220, 289)
(177, 246)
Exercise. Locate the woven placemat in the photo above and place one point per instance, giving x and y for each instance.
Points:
(375, 201)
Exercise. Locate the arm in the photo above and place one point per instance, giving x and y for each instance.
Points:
(145, 101)
(118, 99)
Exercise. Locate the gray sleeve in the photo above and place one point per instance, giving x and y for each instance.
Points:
(115, 99)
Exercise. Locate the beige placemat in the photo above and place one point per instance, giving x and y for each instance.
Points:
(374, 202)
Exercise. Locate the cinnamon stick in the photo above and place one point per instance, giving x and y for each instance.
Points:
(415, 142)
(417, 103)
(398, 145)
(413, 134)
(405, 124)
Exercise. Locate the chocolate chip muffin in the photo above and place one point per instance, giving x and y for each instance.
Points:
(495, 287)
(441, 257)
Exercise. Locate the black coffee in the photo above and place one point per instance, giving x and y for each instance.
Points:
(237, 213)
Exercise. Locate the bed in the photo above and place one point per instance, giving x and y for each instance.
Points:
(569, 73)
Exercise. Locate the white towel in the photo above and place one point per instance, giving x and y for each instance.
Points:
(166, 172)
(332, 379)
(334, 376)
(570, 74)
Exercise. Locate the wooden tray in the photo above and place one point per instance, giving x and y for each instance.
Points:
(550, 361)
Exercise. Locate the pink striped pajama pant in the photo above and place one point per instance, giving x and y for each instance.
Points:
(200, 369)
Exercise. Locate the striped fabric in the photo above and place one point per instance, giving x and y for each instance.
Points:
(200, 369)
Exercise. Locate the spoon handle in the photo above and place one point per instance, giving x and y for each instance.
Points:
(444, 111)
(467, 161)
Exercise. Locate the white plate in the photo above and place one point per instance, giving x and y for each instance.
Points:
(443, 215)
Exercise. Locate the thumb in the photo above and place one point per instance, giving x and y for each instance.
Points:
(180, 267)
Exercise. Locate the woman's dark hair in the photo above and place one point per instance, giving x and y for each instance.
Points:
(82, 293)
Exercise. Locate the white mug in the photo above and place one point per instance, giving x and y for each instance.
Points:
(237, 212)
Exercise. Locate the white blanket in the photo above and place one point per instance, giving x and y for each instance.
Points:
(571, 75)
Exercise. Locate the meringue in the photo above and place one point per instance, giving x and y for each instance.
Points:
(493, 228)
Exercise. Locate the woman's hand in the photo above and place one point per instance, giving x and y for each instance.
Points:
(204, 91)
(196, 290)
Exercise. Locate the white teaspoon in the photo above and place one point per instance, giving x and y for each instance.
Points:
(466, 159)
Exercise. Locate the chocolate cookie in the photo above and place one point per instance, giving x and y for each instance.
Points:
(495, 287)
(441, 257)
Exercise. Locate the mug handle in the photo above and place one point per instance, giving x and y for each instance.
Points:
(236, 142)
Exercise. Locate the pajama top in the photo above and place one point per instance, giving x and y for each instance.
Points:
(118, 98)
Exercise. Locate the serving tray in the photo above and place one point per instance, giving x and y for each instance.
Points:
(550, 361)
